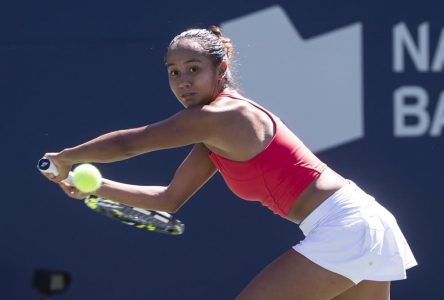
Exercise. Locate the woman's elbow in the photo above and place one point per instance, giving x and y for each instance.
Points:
(174, 202)
(174, 206)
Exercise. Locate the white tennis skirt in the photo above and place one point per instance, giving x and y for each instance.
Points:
(351, 234)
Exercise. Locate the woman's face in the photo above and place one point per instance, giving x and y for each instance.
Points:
(193, 77)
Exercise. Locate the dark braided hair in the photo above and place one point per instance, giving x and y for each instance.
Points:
(214, 45)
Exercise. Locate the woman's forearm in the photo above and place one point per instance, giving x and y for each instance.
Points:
(109, 147)
(148, 197)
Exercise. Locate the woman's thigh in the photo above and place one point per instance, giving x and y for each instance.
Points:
(367, 290)
(293, 276)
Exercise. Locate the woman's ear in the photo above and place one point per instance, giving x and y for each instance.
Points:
(223, 66)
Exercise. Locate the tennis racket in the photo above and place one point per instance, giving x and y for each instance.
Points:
(155, 221)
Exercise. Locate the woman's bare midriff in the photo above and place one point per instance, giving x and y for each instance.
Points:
(317, 192)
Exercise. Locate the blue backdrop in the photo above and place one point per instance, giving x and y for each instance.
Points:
(70, 71)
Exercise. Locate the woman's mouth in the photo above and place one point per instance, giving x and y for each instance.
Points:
(187, 95)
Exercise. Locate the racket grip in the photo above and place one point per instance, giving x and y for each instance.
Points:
(45, 165)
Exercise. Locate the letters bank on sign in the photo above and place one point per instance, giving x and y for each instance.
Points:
(415, 112)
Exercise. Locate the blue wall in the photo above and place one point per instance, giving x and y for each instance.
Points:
(72, 70)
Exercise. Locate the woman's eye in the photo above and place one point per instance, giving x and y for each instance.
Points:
(173, 73)
(193, 69)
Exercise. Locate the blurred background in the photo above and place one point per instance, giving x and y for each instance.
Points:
(360, 81)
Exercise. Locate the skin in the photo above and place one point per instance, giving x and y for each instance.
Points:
(212, 123)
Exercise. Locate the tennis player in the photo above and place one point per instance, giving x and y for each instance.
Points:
(353, 246)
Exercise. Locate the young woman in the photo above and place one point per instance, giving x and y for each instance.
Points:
(353, 247)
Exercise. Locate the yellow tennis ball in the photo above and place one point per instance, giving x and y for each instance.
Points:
(86, 178)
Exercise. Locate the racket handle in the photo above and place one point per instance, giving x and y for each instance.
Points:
(45, 165)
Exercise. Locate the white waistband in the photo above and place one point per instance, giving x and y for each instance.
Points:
(328, 205)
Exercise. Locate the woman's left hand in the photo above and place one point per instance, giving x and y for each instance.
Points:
(71, 191)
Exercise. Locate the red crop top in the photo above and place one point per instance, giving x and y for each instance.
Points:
(277, 175)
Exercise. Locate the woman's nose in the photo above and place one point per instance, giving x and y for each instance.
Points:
(184, 83)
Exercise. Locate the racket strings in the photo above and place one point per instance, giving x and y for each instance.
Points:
(140, 218)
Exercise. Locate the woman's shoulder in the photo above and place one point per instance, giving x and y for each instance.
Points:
(234, 100)
(219, 111)
(228, 107)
